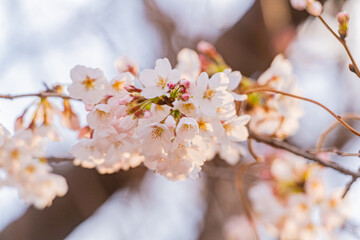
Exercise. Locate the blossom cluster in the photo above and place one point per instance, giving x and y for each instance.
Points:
(23, 168)
(274, 115)
(291, 199)
(171, 120)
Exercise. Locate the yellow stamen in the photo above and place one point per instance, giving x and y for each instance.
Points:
(156, 133)
(161, 82)
(89, 83)
(210, 93)
(118, 85)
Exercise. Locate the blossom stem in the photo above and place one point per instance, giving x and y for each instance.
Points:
(320, 142)
(343, 42)
(337, 117)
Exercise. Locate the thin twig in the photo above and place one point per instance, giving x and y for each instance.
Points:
(343, 42)
(41, 95)
(303, 153)
(338, 152)
(348, 186)
(337, 117)
(320, 142)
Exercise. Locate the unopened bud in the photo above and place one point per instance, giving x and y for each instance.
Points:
(206, 48)
(171, 85)
(343, 19)
(185, 83)
(352, 68)
(314, 8)
(185, 97)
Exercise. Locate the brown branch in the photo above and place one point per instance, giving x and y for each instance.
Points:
(337, 117)
(337, 152)
(343, 42)
(252, 152)
(303, 153)
(41, 95)
(323, 136)
(58, 159)
(348, 186)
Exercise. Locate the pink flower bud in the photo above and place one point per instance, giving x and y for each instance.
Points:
(206, 48)
(185, 97)
(171, 85)
(186, 83)
(314, 8)
(343, 17)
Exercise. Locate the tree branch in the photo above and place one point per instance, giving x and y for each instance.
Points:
(303, 153)
(41, 95)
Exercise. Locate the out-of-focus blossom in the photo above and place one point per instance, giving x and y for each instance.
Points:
(294, 201)
(276, 115)
(312, 6)
(238, 227)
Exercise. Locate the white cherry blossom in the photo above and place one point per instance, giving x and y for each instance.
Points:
(155, 81)
(89, 84)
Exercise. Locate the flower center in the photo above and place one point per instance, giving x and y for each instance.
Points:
(210, 93)
(161, 82)
(15, 154)
(30, 169)
(89, 83)
(156, 133)
(187, 127)
(102, 114)
(188, 107)
(228, 127)
(118, 85)
(202, 125)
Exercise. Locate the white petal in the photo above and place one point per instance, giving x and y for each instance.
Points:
(148, 77)
(163, 67)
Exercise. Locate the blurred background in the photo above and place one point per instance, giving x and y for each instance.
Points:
(40, 41)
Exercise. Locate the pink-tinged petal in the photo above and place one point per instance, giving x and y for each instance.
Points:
(152, 91)
(78, 73)
(202, 81)
(174, 76)
(148, 77)
(75, 90)
(163, 67)
(234, 80)
(242, 120)
(239, 97)
(219, 81)
(188, 63)
(239, 133)
(207, 108)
